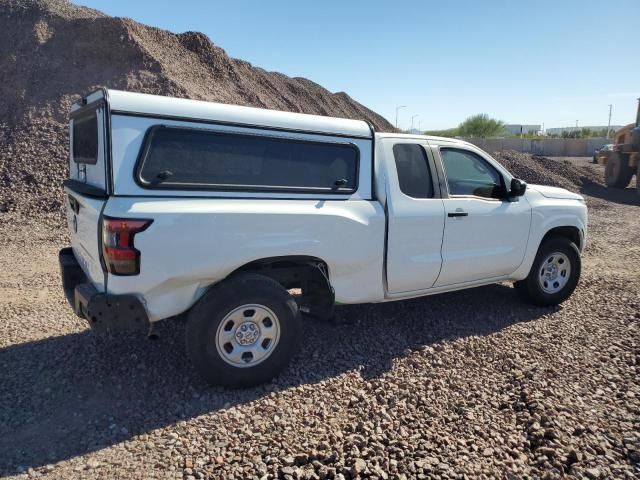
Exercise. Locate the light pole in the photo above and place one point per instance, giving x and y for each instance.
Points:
(609, 124)
(398, 108)
(414, 116)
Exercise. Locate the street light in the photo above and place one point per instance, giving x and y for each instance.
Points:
(414, 116)
(398, 108)
(609, 124)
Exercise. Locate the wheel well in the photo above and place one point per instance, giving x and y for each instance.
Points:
(571, 233)
(306, 278)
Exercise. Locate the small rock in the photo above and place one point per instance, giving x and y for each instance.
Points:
(573, 457)
(359, 466)
(288, 470)
(592, 473)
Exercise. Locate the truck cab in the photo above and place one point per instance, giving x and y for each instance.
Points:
(244, 219)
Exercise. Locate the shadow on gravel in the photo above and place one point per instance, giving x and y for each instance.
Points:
(623, 196)
(66, 396)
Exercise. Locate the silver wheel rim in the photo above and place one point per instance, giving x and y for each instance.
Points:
(247, 335)
(554, 272)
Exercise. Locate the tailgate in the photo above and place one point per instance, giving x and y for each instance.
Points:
(86, 188)
(83, 219)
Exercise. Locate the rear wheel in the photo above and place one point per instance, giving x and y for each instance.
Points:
(617, 173)
(243, 332)
(554, 274)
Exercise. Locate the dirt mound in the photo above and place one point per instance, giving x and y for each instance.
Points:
(546, 171)
(51, 51)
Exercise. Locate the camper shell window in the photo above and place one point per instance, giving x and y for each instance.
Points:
(85, 138)
(191, 158)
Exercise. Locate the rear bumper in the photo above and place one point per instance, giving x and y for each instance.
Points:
(104, 312)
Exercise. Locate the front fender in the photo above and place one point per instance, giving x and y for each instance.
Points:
(547, 214)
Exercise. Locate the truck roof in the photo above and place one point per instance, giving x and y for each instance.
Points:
(142, 104)
(453, 141)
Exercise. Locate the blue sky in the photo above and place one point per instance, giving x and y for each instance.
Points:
(533, 62)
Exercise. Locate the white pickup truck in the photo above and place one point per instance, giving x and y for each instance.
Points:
(244, 218)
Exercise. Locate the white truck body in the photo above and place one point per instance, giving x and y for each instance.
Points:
(376, 242)
(199, 237)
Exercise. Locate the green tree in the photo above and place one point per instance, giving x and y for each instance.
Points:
(449, 132)
(481, 125)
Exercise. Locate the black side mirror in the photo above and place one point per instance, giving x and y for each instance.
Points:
(518, 187)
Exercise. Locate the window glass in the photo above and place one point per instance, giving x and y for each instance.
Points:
(414, 175)
(85, 139)
(469, 174)
(196, 158)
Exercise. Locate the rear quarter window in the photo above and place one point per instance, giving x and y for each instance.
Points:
(176, 158)
(414, 176)
(85, 138)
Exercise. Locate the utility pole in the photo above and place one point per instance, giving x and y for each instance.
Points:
(398, 108)
(414, 116)
(609, 124)
(419, 126)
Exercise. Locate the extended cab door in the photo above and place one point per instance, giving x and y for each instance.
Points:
(486, 233)
(415, 216)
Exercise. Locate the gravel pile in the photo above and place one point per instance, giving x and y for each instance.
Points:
(546, 171)
(52, 51)
(462, 385)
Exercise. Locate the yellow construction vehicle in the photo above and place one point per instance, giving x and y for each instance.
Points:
(622, 162)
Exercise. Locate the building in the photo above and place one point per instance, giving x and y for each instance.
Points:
(560, 130)
(517, 129)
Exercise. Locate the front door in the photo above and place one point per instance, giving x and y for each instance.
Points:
(415, 215)
(485, 234)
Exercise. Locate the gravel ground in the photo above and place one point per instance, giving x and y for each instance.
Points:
(470, 384)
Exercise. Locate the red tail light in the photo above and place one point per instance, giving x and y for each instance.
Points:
(120, 256)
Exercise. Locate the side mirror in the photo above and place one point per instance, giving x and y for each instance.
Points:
(518, 187)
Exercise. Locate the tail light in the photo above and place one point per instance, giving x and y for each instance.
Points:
(120, 256)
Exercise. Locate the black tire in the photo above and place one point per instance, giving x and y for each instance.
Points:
(205, 319)
(595, 159)
(617, 172)
(638, 178)
(531, 290)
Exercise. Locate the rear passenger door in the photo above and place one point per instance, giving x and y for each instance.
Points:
(415, 215)
(486, 233)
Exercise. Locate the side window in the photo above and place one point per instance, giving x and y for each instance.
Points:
(177, 157)
(469, 174)
(414, 175)
(85, 139)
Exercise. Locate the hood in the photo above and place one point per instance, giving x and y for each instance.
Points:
(555, 192)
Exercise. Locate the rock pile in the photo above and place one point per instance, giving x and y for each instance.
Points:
(546, 171)
(52, 51)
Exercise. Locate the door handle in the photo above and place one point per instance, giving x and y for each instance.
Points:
(457, 214)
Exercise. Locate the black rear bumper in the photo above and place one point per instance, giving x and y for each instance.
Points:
(104, 312)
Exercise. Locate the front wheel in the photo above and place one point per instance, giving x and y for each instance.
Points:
(243, 332)
(554, 274)
(617, 172)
